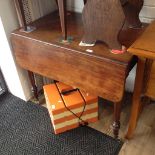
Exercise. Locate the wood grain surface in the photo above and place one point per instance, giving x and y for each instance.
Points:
(99, 72)
(145, 45)
(132, 9)
(94, 70)
(103, 20)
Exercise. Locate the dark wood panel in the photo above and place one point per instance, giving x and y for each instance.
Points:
(72, 67)
(132, 9)
(103, 20)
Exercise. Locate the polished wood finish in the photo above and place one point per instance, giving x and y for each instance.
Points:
(132, 9)
(145, 45)
(95, 69)
(144, 48)
(103, 20)
(114, 68)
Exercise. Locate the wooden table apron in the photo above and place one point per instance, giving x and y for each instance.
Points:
(93, 74)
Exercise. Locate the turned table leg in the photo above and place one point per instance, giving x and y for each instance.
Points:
(136, 103)
(116, 123)
(34, 87)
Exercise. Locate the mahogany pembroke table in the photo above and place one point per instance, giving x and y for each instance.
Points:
(93, 69)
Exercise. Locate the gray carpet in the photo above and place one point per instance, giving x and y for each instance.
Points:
(25, 129)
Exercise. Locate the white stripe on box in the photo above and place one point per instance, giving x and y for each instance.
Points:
(74, 121)
(77, 110)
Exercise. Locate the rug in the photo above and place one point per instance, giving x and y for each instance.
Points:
(25, 129)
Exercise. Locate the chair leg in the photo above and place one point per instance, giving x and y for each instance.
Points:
(63, 17)
(116, 123)
(20, 12)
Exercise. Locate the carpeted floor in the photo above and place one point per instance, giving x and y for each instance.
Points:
(25, 129)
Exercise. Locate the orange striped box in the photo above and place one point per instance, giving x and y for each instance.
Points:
(62, 119)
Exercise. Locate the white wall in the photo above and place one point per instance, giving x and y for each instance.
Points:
(16, 78)
(148, 12)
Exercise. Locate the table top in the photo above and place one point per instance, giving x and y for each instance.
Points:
(98, 72)
(51, 25)
(144, 46)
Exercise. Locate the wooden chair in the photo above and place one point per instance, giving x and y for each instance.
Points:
(111, 18)
(108, 23)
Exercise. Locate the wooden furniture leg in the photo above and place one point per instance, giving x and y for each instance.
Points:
(116, 123)
(34, 87)
(136, 103)
(63, 16)
(85, 1)
(20, 12)
(56, 2)
(132, 10)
